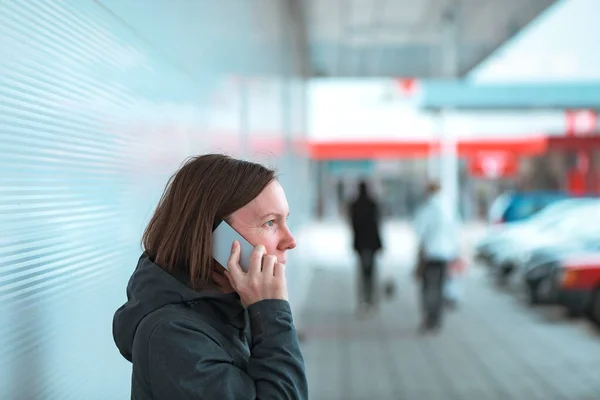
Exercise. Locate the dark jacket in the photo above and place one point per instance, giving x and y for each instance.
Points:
(185, 344)
(364, 215)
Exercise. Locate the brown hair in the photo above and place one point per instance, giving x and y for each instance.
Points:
(205, 189)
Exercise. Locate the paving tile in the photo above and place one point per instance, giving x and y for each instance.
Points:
(493, 347)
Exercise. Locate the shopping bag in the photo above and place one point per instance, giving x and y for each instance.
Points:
(454, 285)
(389, 288)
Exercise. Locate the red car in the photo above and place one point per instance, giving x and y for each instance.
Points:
(578, 285)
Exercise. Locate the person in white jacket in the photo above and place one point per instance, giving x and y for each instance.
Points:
(438, 228)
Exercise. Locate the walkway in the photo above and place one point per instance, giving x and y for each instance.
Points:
(493, 347)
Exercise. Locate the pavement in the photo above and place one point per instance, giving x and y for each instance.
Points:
(494, 346)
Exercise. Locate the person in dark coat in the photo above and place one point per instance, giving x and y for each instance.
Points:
(194, 330)
(365, 219)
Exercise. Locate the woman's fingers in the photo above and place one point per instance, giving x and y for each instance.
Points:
(279, 282)
(279, 271)
(268, 265)
(233, 264)
(265, 278)
(256, 260)
(230, 279)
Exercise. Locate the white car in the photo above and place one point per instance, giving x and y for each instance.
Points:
(552, 225)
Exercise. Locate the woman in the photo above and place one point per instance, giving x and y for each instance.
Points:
(194, 330)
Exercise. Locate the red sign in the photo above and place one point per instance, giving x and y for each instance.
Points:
(407, 86)
(576, 184)
(581, 122)
(580, 179)
(493, 165)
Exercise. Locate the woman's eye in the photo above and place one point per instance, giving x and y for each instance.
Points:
(270, 223)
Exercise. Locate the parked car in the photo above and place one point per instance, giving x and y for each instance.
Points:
(497, 234)
(577, 285)
(518, 206)
(577, 229)
(509, 248)
(539, 270)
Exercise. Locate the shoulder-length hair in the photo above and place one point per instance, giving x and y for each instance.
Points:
(204, 190)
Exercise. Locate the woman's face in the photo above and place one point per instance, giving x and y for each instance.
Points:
(263, 221)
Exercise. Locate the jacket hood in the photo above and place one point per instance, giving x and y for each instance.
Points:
(151, 288)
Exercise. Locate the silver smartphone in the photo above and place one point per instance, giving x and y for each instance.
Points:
(223, 237)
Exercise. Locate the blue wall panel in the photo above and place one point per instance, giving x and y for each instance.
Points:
(95, 114)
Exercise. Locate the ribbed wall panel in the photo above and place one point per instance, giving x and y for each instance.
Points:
(93, 120)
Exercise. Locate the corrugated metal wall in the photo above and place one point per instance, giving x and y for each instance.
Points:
(97, 108)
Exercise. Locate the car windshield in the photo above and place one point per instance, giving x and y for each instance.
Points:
(553, 215)
(580, 222)
(524, 208)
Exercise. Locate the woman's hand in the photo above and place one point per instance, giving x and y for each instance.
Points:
(264, 280)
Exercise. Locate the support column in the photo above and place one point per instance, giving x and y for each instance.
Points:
(450, 41)
(448, 160)
(449, 166)
(244, 118)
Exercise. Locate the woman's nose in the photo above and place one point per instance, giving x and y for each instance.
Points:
(292, 243)
(288, 241)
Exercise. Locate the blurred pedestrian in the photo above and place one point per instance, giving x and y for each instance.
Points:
(365, 220)
(437, 228)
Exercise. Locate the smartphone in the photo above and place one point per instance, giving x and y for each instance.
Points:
(223, 237)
